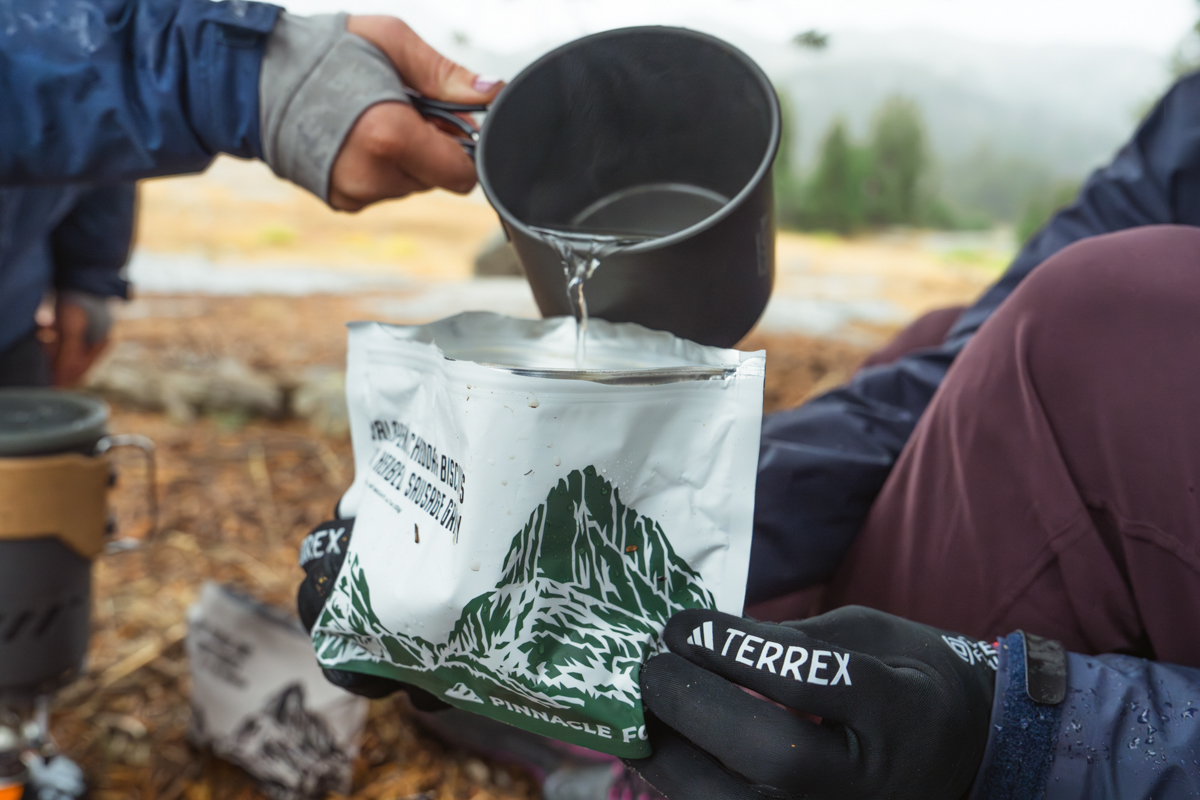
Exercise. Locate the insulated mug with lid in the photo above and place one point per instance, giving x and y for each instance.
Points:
(54, 482)
(656, 133)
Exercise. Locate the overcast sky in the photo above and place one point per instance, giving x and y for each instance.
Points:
(512, 25)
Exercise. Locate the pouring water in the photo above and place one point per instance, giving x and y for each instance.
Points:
(581, 253)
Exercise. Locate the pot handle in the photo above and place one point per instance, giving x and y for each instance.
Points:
(146, 446)
(448, 114)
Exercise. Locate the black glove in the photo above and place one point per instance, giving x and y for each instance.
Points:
(321, 556)
(903, 708)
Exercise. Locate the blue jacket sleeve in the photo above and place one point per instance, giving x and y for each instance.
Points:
(91, 245)
(822, 465)
(1128, 729)
(106, 91)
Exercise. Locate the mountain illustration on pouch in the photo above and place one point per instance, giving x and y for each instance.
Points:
(587, 588)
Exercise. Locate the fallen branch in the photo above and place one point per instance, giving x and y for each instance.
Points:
(140, 658)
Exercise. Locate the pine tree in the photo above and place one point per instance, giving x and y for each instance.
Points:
(789, 190)
(898, 162)
(834, 201)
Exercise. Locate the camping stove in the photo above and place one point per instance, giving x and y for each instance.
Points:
(54, 522)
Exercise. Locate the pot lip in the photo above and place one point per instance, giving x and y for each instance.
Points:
(88, 422)
(726, 210)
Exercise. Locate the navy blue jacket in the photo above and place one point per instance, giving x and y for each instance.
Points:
(95, 94)
(1128, 729)
(62, 237)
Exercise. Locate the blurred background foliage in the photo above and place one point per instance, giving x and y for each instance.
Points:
(892, 178)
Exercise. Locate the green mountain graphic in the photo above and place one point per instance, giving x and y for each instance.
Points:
(587, 588)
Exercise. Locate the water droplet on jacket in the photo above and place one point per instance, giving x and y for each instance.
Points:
(1188, 713)
(1151, 753)
(1144, 716)
(1149, 740)
(1134, 742)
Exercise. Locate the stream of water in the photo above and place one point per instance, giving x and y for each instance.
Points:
(581, 253)
(616, 222)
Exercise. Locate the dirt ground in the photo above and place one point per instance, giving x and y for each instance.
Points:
(237, 496)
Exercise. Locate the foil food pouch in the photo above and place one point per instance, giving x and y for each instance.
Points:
(524, 529)
(259, 700)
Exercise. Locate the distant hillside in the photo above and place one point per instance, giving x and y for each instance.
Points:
(1068, 108)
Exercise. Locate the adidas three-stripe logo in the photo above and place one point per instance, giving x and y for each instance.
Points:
(778, 659)
(703, 636)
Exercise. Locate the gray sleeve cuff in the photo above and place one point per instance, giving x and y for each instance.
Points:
(98, 310)
(316, 81)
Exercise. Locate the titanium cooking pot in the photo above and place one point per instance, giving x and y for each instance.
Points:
(661, 134)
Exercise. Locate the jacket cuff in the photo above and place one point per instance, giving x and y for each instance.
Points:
(98, 281)
(317, 80)
(99, 313)
(1024, 732)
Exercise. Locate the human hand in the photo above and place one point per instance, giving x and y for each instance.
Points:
(321, 556)
(79, 335)
(864, 705)
(393, 151)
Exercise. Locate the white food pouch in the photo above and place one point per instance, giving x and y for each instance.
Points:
(525, 529)
(259, 699)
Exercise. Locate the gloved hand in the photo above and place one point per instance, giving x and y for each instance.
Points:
(321, 557)
(903, 708)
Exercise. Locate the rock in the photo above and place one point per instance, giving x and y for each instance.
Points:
(497, 257)
(187, 386)
(124, 373)
(477, 771)
(320, 397)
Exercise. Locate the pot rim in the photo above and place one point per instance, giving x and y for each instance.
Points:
(89, 423)
(751, 185)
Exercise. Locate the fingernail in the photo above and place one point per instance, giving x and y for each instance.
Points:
(484, 83)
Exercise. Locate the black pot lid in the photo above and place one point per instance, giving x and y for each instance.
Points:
(43, 421)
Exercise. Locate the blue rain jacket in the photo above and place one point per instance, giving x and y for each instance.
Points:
(1129, 728)
(95, 94)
